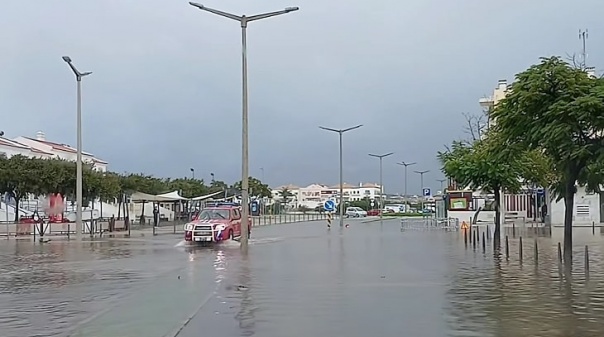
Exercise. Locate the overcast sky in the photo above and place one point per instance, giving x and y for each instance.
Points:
(165, 94)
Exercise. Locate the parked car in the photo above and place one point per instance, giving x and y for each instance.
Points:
(355, 212)
(373, 212)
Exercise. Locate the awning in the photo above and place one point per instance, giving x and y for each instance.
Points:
(207, 196)
(174, 196)
(144, 197)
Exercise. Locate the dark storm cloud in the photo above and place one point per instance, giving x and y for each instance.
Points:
(165, 93)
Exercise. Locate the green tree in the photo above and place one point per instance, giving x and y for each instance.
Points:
(19, 177)
(110, 188)
(139, 182)
(285, 196)
(484, 165)
(188, 188)
(557, 109)
(256, 188)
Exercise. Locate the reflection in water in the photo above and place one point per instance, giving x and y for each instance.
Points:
(363, 280)
(493, 296)
(245, 315)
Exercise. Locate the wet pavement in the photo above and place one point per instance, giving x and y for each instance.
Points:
(301, 280)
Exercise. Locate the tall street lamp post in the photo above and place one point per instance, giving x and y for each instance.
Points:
(406, 165)
(421, 175)
(192, 173)
(381, 156)
(244, 20)
(341, 202)
(442, 185)
(78, 76)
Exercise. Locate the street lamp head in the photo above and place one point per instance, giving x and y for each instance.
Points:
(291, 9)
(192, 169)
(195, 4)
(85, 73)
(67, 59)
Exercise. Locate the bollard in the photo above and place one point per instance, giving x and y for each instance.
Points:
(488, 233)
(559, 252)
(536, 252)
(513, 229)
(474, 239)
(593, 228)
(520, 252)
(484, 244)
(68, 229)
(507, 247)
(477, 233)
(465, 237)
(586, 258)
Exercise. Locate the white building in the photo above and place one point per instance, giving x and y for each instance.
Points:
(39, 147)
(60, 151)
(315, 195)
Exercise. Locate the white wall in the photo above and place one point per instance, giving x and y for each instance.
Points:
(589, 204)
(483, 216)
(12, 151)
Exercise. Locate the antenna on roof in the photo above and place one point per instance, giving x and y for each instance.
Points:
(583, 36)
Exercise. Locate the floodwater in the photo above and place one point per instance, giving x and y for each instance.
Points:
(302, 280)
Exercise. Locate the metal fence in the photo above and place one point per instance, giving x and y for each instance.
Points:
(100, 227)
(429, 224)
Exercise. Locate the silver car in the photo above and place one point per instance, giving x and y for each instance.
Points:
(355, 212)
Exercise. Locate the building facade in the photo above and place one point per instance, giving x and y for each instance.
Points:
(59, 151)
(315, 195)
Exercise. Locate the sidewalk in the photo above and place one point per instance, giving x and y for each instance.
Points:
(100, 229)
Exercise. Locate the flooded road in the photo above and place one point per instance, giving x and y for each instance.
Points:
(300, 280)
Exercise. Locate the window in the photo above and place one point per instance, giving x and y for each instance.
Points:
(236, 214)
(214, 214)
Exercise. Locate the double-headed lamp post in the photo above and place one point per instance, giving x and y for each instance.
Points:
(421, 179)
(243, 20)
(442, 185)
(78, 76)
(381, 156)
(405, 164)
(341, 202)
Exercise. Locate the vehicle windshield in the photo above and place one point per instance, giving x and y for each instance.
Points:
(214, 214)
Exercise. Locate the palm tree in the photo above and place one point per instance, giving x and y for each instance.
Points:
(285, 194)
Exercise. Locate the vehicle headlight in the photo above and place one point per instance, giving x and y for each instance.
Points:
(220, 227)
(189, 227)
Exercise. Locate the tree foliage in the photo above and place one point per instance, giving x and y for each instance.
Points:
(256, 188)
(489, 166)
(22, 176)
(557, 109)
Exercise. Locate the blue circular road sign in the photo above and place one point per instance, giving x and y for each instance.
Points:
(329, 205)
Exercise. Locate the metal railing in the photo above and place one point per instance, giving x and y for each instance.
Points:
(105, 226)
(427, 224)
